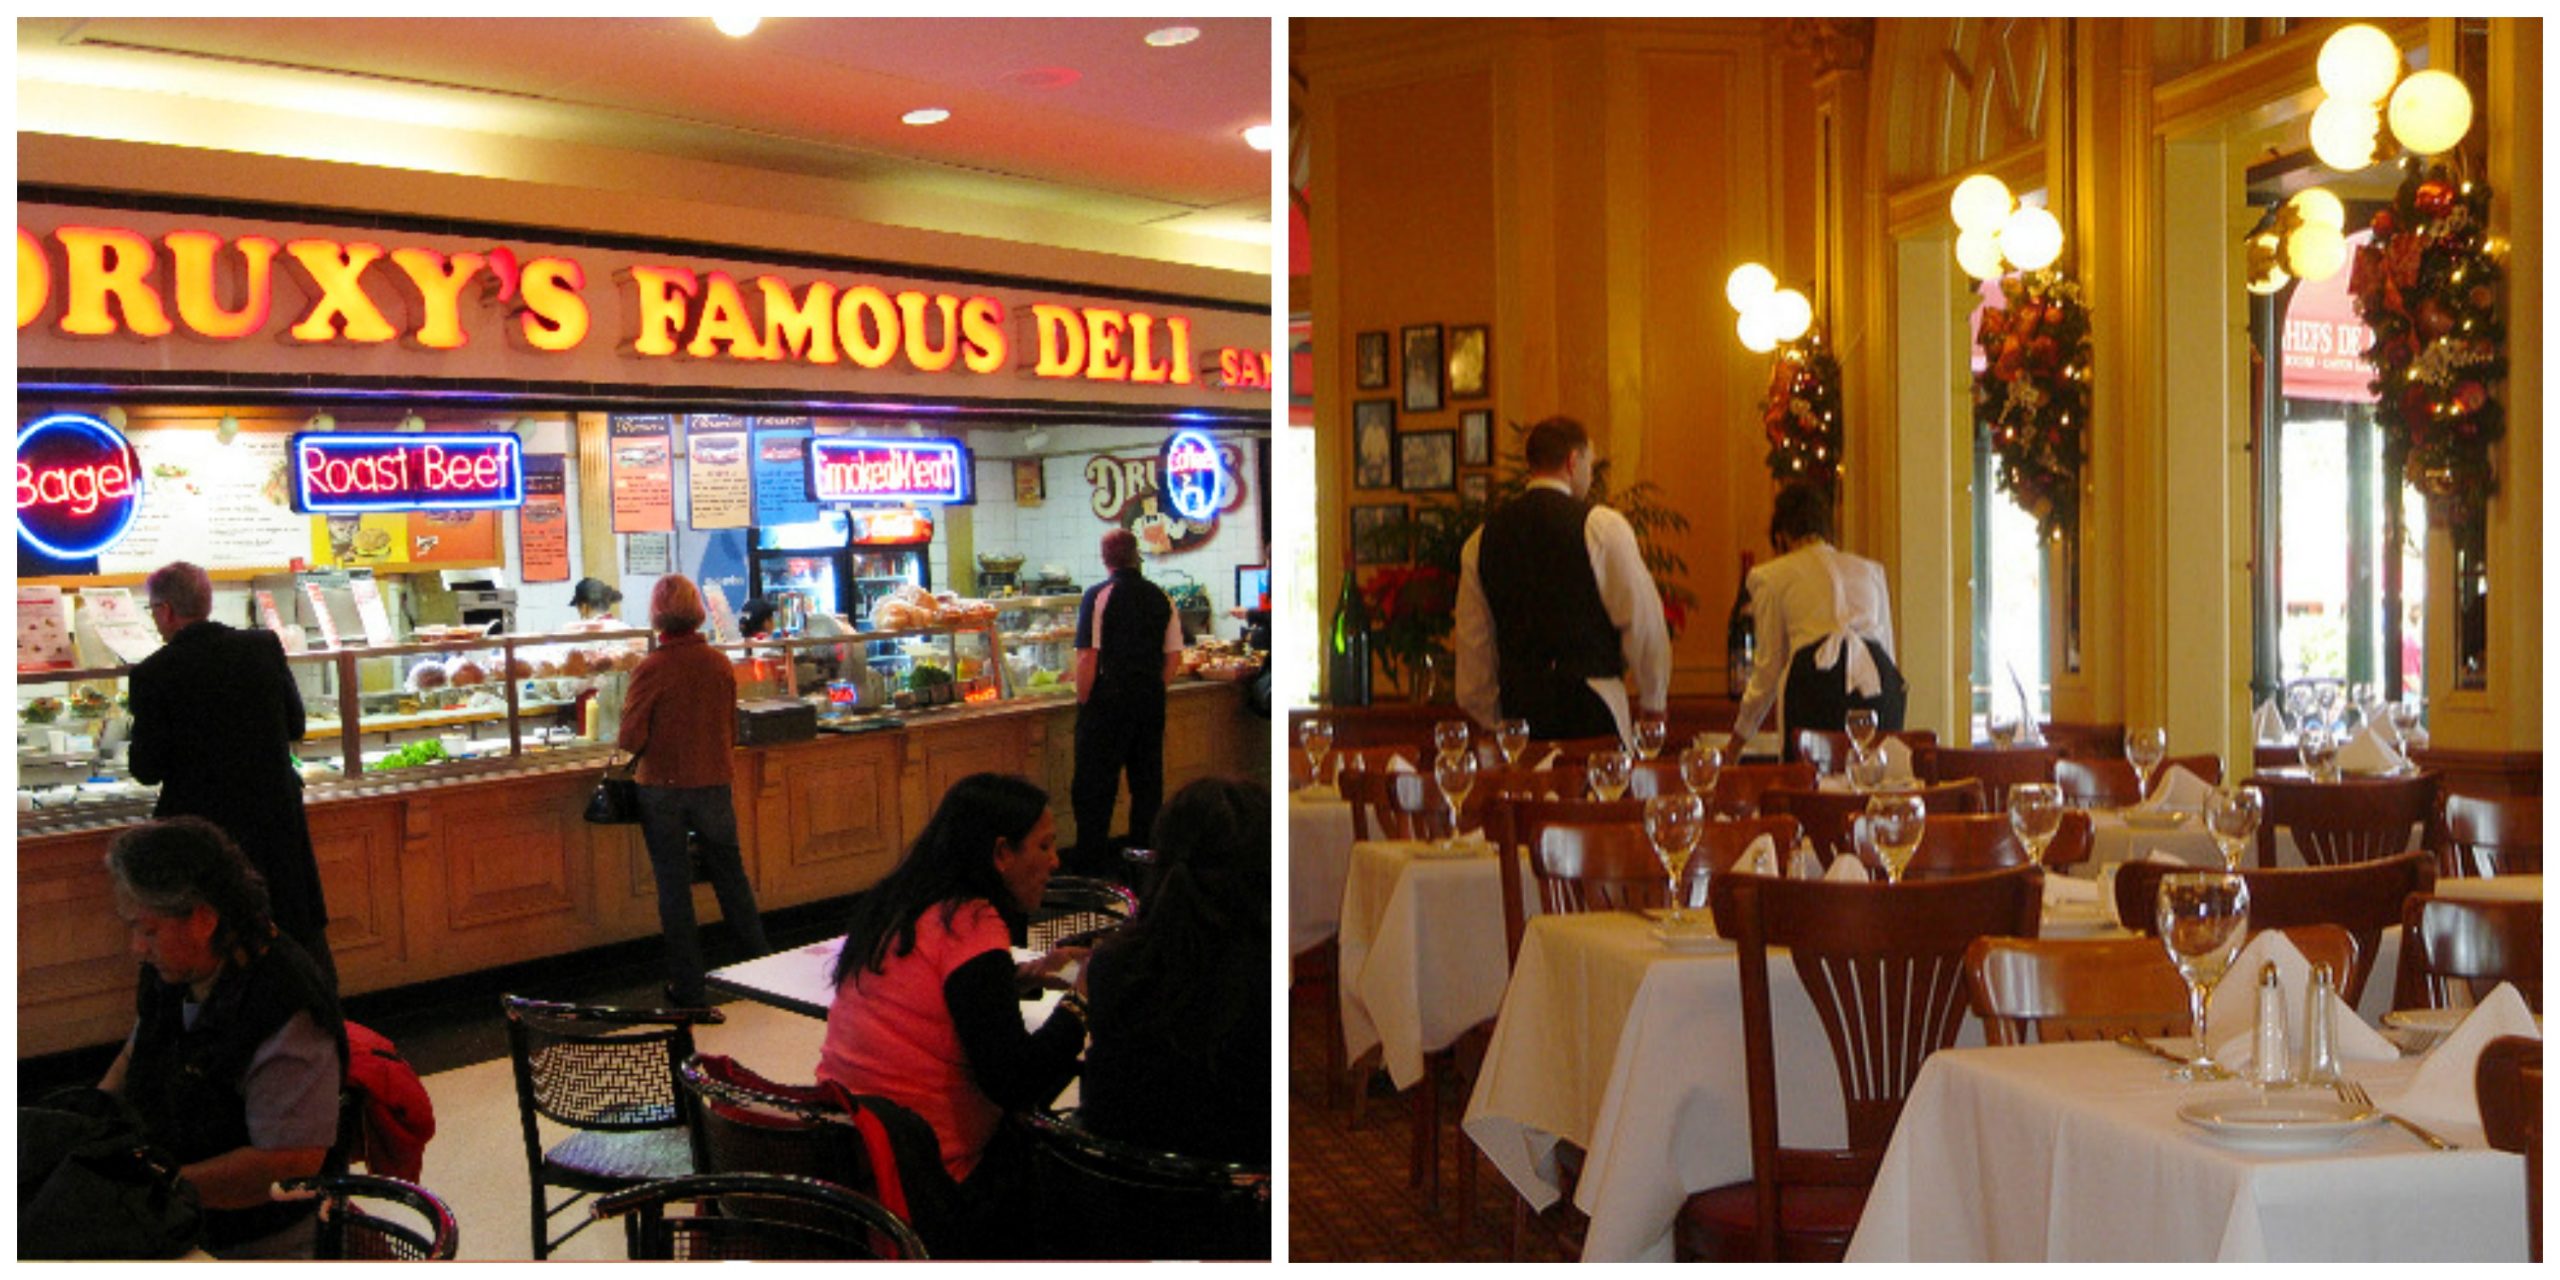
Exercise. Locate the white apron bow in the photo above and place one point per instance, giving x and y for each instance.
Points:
(1864, 680)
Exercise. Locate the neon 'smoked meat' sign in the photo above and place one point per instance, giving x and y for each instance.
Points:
(875, 469)
(79, 485)
(347, 473)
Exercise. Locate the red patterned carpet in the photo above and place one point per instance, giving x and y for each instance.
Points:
(1348, 1198)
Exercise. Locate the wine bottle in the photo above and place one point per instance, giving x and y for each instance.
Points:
(1741, 642)
(1348, 646)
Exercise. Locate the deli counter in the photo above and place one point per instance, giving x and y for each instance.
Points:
(446, 781)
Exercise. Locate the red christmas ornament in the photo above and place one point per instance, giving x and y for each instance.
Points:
(2383, 222)
(2470, 395)
(2433, 320)
(2434, 198)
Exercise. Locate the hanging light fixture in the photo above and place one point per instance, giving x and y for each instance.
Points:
(2343, 134)
(2316, 204)
(1759, 336)
(2032, 239)
(2266, 269)
(1978, 252)
(413, 424)
(2430, 112)
(321, 422)
(2358, 64)
(114, 416)
(228, 429)
(1981, 203)
(1748, 284)
(1788, 315)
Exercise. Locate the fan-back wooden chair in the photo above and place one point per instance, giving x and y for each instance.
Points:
(1829, 816)
(2493, 835)
(2336, 823)
(2363, 898)
(2040, 990)
(2455, 950)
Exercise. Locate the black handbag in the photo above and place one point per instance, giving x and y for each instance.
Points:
(91, 1184)
(616, 801)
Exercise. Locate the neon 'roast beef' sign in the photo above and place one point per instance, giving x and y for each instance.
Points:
(347, 473)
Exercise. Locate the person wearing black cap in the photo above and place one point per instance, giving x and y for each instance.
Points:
(594, 599)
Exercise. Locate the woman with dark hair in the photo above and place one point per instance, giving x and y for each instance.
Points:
(1181, 998)
(926, 1011)
(1825, 627)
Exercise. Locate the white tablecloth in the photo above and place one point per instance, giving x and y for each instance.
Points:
(1422, 950)
(1319, 857)
(2074, 1152)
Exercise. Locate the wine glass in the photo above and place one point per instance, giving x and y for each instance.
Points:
(2203, 917)
(2297, 704)
(2319, 751)
(1513, 737)
(1673, 822)
(1652, 730)
(1450, 737)
(2232, 814)
(1896, 823)
(1699, 769)
(1861, 725)
(1866, 770)
(1456, 774)
(2035, 814)
(1609, 769)
(2145, 748)
(2003, 727)
(1315, 738)
(2406, 718)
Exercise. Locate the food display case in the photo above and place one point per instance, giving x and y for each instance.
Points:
(453, 702)
(1039, 638)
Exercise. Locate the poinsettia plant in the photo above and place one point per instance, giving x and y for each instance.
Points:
(1801, 414)
(1412, 608)
(2427, 286)
(2032, 395)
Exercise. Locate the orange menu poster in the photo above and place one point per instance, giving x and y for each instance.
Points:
(542, 523)
(644, 495)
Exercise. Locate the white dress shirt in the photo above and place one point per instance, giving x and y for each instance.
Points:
(1815, 594)
(1626, 589)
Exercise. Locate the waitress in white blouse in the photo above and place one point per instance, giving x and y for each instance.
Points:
(1825, 628)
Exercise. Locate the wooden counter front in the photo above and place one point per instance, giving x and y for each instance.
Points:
(452, 877)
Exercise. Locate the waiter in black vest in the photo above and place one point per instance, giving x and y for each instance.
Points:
(1128, 648)
(1558, 619)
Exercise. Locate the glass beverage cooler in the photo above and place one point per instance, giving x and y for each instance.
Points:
(809, 561)
(887, 546)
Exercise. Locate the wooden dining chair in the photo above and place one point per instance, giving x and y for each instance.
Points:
(2508, 1082)
(1740, 786)
(1964, 844)
(1996, 769)
(1828, 751)
(1344, 760)
(2363, 898)
(1883, 967)
(2453, 951)
(2041, 990)
(2110, 782)
(1603, 865)
(1829, 817)
(1722, 844)
(1570, 750)
(1650, 778)
(2492, 835)
(2335, 823)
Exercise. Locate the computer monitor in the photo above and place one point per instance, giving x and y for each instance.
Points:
(1253, 586)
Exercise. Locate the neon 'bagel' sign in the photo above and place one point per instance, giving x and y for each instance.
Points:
(79, 485)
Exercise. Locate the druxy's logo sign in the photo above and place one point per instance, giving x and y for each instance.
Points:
(79, 485)
(861, 469)
(1195, 477)
(354, 473)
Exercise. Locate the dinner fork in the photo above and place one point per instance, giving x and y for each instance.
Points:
(2353, 1095)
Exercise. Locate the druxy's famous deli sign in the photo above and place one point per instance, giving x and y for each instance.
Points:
(157, 291)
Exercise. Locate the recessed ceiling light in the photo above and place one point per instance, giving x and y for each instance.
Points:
(736, 26)
(1168, 37)
(1260, 137)
(926, 115)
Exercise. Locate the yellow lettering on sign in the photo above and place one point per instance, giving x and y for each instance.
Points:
(1143, 366)
(336, 275)
(724, 321)
(434, 294)
(1178, 329)
(658, 296)
(100, 263)
(555, 314)
(193, 268)
(35, 279)
(1061, 340)
(867, 325)
(1106, 329)
(982, 326)
(804, 329)
(926, 357)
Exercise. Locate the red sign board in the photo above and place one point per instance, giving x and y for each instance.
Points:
(878, 469)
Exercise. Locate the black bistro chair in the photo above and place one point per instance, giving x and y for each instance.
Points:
(354, 1227)
(1079, 908)
(1096, 1198)
(609, 1075)
(722, 1216)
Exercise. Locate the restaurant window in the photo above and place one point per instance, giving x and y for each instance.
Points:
(2008, 574)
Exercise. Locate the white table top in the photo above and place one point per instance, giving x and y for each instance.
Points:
(1319, 859)
(1422, 950)
(2074, 1152)
(797, 980)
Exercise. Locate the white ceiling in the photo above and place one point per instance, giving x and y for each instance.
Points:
(1079, 119)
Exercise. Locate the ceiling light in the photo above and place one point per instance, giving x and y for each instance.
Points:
(1978, 252)
(2266, 274)
(322, 422)
(1790, 314)
(926, 115)
(2430, 112)
(2342, 134)
(114, 416)
(1037, 440)
(736, 26)
(2316, 204)
(1260, 137)
(1168, 37)
(228, 429)
(2315, 251)
(2358, 63)
(1756, 330)
(2032, 239)
(413, 424)
(1748, 284)
(1981, 203)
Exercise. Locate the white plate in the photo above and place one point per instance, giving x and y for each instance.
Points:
(2282, 1121)
(1694, 939)
(2154, 819)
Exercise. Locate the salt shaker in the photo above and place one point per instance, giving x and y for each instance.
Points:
(2320, 1031)
(2270, 1054)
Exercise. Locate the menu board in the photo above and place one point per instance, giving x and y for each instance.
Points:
(648, 554)
(370, 612)
(223, 506)
(542, 523)
(643, 474)
(719, 483)
(782, 472)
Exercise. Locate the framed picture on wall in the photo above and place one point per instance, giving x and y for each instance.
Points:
(1475, 438)
(1470, 362)
(1422, 369)
(1373, 370)
(1373, 444)
(1475, 487)
(1427, 461)
(1030, 485)
(1377, 533)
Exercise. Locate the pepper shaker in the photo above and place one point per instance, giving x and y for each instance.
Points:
(2320, 1031)
(2270, 1055)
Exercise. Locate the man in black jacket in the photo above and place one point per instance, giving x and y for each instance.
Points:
(215, 712)
(238, 1051)
(1128, 648)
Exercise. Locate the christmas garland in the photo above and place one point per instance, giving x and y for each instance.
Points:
(2427, 287)
(2032, 395)
(1802, 414)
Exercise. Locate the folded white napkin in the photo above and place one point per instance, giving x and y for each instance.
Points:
(1760, 857)
(1549, 763)
(2178, 789)
(2067, 891)
(1804, 863)
(1847, 867)
(1398, 764)
(2443, 1091)
(2165, 858)
(2030, 733)
(2268, 724)
(2368, 753)
(1897, 760)
(2233, 1018)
